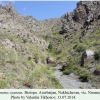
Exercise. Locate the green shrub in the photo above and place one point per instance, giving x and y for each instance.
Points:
(36, 56)
(3, 84)
(67, 71)
(96, 43)
(50, 46)
(24, 40)
(81, 87)
(81, 47)
(60, 40)
(58, 52)
(84, 77)
(41, 77)
(55, 82)
(69, 68)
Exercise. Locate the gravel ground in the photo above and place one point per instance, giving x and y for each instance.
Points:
(70, 81)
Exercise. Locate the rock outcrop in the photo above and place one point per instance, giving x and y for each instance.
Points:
(68, 23)
(9, 6)
(85, 13)
(87, 57)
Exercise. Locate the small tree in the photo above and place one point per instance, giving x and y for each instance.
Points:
(50, 46)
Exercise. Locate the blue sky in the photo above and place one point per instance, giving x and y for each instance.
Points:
(43, 9)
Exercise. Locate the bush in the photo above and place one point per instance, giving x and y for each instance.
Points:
(24, 40)
(50, 46)
(84, 77)
(67, 71)
(55, 82)
(81, 87)
(69, 67)
(97, 55)
(41, 77)
(58, 52)
(3, 84)
(81, 47)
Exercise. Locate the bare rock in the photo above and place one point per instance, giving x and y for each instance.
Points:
(83, 11)
(51, 61)
(87, 57)
(9, 6)
(68, 23)
(80, 13)
(33, 39)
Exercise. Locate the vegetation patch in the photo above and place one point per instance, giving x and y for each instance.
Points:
(50, 46)
(42, 77)
(84, 77)
(3, 84)
(81, 47)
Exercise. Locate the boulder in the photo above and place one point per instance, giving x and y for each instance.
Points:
(87, 57)
(51, 61)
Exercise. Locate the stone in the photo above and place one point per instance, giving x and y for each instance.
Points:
(87, 57)
(51, 61)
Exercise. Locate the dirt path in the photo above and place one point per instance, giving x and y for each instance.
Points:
(70, 81)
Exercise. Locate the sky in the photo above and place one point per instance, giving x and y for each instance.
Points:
(41, 10)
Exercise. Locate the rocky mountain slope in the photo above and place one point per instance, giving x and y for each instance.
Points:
(81, 32)
(23, 52)
(26, 44)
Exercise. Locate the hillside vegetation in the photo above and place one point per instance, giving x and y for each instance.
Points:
(26, 43)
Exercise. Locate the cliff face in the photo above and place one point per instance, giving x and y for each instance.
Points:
(85, 13)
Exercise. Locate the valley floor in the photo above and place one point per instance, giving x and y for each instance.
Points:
(70, 81)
